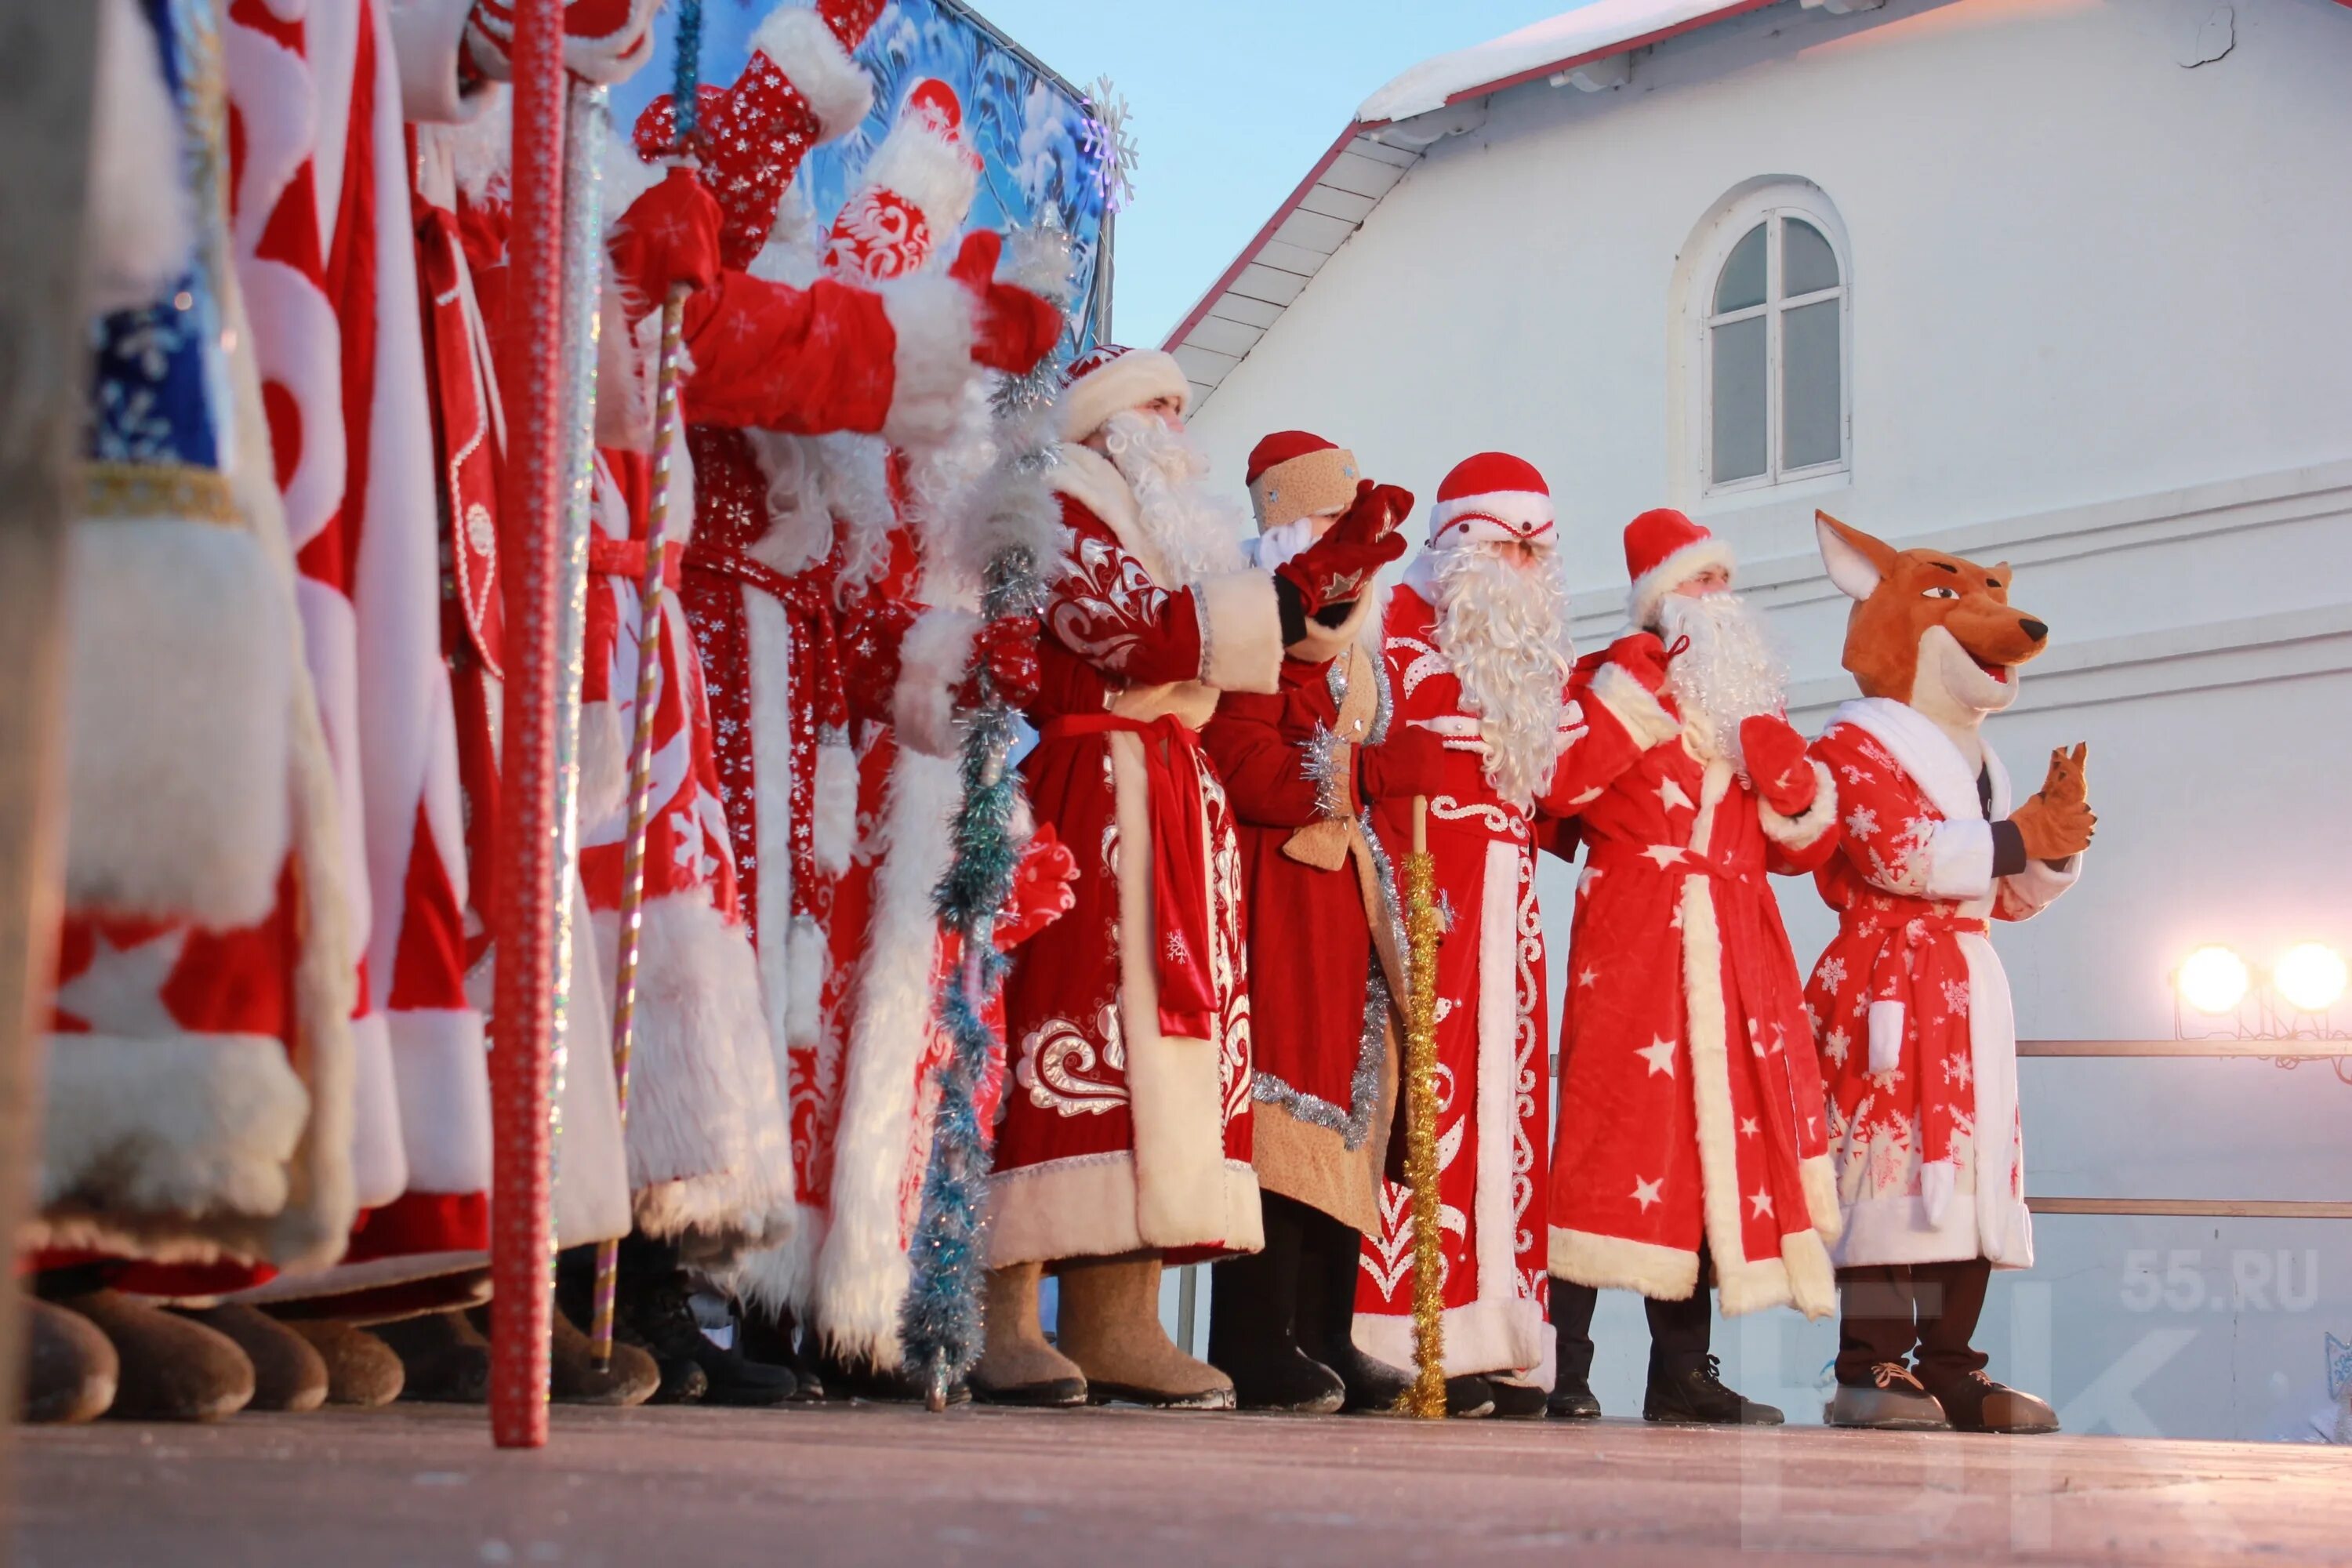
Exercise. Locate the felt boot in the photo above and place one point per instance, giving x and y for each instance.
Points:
(1110, 1327)
(1017, 1366)
(679, 1377)
(770, 1338)
(574, 1378)
(1327, 1318)
(362, 1370)
(173, 1370)
(1687, 1391)
(443, 1360)
(287, 1374)
(70, 1368)
(1253, 1324)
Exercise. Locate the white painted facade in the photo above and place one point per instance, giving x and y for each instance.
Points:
(2100, 313)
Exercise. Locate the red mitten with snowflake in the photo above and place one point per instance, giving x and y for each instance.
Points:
(603, 40)
(1777, 764)
(1340, 566)
(669, 236)
(1012, 329)
(1041, 892)
(1007, 650)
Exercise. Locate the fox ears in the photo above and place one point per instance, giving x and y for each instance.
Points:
(1857, 563)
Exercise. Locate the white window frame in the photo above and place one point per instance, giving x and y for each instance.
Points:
(1770, 204)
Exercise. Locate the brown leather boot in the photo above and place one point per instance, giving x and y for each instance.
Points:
(287, 1374)
(173, 1370)
(1017, 1366)
(362, 1370)
(70, 1368)
(1977, 1404)
(1110, 1327)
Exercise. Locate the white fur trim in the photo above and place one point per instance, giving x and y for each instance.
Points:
(862, 1271)
(592, 1175)
(804, 947)
(1241, 632)
(1130, 381)
(1885, 1036)
(1819, 1174)
(1085, 1207)
(1488, 1335)
(195, 1126)
(179, 688)
(1651, 588)
(1803, 830)
(604, 757)
(137, 228)
(828, 79)
(426, 35)
(931, 364)
(1091, 479)
(1634, 707)
(926, 169)
(779, 1278)
(1927, 755)
(1496, 1082)
(2034, 890)
(835, 832)
(800, 522)
(1618, 1263)
(932, 660)
(1495, 517)
(1938, 1181)
(379, 1160)
(1959, 860)
(440, 1068)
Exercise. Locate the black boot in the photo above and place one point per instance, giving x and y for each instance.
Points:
(658, 1314)
(1327, 1318)
(771, 1338)
(1469, 1397)
(682, 1380)
(1685, 1391)
(1571, 1327)
(1253, 1321)
(1517, 1401)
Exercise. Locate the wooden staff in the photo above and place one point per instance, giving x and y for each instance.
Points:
(1426, 1397)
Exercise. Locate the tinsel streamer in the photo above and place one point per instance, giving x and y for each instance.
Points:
(940, 1324)
(640, 742)
(1424, 925)
(582, 274)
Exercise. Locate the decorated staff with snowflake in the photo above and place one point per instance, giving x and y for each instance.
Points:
(1911, 1008)
(1692, 1144)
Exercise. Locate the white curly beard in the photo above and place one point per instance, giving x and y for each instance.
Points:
(1196, 533)
(1728, 668)
(1504, 628)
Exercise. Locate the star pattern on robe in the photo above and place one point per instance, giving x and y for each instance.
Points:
(1646, 1193)
(1660, 1055)
(1762, 1201)
(1671, 796)
(1587, 976)
(1664, 855)
(121, 992)
(1748, 1126)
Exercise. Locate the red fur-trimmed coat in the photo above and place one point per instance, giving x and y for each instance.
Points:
(1690, 1109)
(1910, 1006)
(1127, 1121)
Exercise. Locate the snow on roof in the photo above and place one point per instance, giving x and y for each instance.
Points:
(1602, 25)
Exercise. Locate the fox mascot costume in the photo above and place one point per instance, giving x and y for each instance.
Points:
(1910, 1008)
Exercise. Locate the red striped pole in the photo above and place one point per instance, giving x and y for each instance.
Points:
(522, 1037)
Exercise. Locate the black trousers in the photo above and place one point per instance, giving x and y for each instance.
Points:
(1885, 1311)
(1677, 1327)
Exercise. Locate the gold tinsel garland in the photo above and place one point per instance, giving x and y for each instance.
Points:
(1426, 1397)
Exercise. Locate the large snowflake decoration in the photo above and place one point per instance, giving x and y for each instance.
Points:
(1104, 140)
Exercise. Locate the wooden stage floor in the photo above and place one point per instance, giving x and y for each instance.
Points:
(1131, 1489)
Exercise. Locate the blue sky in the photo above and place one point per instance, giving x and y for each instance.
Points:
(1231, 102)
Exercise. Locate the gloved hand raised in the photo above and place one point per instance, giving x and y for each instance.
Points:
(1012, 329)
(1777, 764)
(1340, 566)
(669, 236)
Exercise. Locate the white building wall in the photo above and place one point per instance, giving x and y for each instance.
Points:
(2102, 326)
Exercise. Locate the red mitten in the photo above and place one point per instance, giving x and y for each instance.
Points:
(1777, 764)
(1642, 656)
(1340, 566)
(1007, 650)
(1041, 892)
(603, 40)
(668, 237)
(1012, 329)
(1410, 762)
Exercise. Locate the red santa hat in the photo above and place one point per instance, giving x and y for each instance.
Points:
(1491, 498)
(1293, 473)
(1664, 550)
(1109, 379)
(800, 89)
(917, 188)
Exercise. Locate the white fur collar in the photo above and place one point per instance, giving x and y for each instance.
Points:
(1928, 755)
(1088, 478)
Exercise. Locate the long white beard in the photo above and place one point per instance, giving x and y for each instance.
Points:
(1728, 668)
(1504, 628)
(1195, 532)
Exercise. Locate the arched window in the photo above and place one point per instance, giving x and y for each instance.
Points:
(1773, 315)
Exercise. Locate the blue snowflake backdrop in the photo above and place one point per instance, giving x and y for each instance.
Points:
(1029, 127)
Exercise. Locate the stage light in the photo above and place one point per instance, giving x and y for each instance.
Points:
(2311, 976)
(2213, 980)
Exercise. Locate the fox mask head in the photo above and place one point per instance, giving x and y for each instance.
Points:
(1928, 629)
